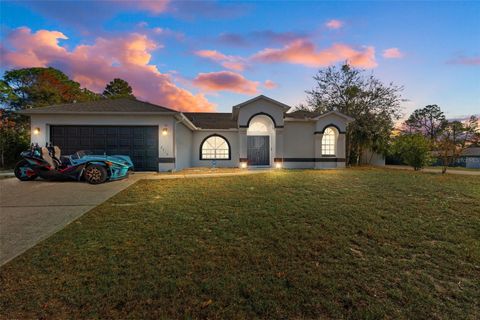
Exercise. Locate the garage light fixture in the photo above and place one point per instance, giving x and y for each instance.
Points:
(164, 131)
(36, 131)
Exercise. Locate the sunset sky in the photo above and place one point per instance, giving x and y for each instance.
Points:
(208, 56)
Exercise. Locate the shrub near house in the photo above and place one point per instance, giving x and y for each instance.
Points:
(413, 149)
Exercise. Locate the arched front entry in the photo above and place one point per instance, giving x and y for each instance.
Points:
(260, 141)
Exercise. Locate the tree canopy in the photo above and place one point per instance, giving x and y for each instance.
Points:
(118, 88)
(447, 138)
(38, 87)
(429, 121)
(374, 106)
(31, 88)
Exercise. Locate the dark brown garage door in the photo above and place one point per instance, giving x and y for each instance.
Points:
(138, 142)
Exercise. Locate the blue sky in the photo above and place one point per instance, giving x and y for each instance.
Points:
(208, 56)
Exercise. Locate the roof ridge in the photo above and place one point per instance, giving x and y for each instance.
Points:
(152, 104)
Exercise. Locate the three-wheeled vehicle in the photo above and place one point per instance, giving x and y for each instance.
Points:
(48, 163)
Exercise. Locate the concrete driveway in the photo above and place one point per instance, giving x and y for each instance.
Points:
(32, 211)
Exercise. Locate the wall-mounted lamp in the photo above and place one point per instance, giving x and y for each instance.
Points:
(243, 165)
(278, 165)
(36, 131)
(164, 131)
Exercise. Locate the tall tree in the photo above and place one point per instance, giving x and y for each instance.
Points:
(31, 88)
(38, 87)
(429, 121)
(118, 88)
(374, 106)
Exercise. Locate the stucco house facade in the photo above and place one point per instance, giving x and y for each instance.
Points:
(259, 132)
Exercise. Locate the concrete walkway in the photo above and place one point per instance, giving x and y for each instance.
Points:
(439, 170)
(34, 210)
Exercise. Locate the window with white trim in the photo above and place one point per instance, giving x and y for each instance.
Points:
(215, 148)
(328, 142)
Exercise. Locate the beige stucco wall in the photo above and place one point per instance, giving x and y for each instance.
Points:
(298, 140)
(329, 120)
(183, 147)
(231, 136)
(247, 111)
(165, 143)
(302, 140)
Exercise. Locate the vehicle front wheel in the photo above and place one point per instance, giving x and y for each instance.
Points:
(95, 174)
(24, 172)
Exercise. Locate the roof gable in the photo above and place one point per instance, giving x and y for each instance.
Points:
(262, 97)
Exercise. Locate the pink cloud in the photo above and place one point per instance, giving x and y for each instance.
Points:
(156, 32)
(467, 61)
(153, 6)
(393, 53)
(304, 52)
(334, 24)
(269, 84)
(262, 36)
(229, 62)
(225, 81)
(127, 57)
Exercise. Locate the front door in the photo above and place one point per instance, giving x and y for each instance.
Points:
(258, 150)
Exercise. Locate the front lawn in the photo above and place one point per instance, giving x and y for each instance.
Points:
(439, 168)
(355, 243)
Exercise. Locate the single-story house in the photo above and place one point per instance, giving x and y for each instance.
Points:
(469, 158)
(257, 133)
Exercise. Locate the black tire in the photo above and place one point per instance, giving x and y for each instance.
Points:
(18, 171)
(95, 174)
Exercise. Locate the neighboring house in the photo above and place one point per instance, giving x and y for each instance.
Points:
(470, 158)
(257, 133)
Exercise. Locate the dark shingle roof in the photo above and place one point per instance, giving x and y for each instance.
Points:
(211, 120)
(302, 114)
(472, 151)
(105, 105)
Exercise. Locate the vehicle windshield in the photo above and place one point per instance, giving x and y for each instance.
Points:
(80, 154)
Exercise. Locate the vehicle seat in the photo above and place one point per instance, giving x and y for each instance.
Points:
(46, 156)
(56, 152)
(56, 155)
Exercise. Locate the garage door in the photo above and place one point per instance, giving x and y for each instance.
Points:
(138, 142)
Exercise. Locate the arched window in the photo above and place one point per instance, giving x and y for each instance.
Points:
(329, 142)
(215, 148)
(258, 127)
(261, 125)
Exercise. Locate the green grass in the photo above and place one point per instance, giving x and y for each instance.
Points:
(453, 168)
(355, 243)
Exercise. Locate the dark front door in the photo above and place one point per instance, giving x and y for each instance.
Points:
(138, 142)
(258, 150)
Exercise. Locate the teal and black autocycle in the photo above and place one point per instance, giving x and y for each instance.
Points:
(48, 163)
